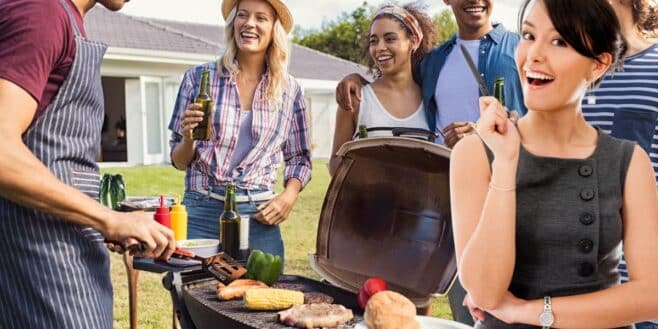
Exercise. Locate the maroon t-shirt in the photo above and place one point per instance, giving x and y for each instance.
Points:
(37, 46)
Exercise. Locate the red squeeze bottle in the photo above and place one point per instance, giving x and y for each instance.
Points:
(162, 214)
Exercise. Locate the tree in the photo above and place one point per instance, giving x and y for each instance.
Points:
(344, 37)
(446, 26)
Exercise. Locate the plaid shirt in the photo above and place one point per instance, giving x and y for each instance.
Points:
(277, 135)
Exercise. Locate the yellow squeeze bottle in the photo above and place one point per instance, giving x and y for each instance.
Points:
(179, 220)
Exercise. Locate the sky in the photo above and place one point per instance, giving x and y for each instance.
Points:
(307, 13)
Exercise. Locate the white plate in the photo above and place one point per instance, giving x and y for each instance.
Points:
(197, 243)
(427, 322)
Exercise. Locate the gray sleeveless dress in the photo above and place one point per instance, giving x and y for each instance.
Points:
(569, 227)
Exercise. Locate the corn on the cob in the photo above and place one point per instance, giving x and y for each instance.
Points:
(271, 299)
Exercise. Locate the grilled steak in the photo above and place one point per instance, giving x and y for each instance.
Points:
(316, 316)
(317, 298)
(289, 286)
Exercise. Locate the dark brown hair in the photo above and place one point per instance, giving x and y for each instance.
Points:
(590, 27)
(645, 14)
(429, 37)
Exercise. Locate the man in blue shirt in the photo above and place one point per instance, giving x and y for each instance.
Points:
(450, 92)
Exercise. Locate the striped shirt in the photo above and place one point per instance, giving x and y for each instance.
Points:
(634, 89)
(277, 135)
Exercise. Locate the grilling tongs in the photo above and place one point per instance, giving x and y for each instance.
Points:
(221, 266)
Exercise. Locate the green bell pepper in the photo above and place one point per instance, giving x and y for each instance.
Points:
(264, 267)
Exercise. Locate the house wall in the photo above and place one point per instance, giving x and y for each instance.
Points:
(323, 120)
(128, 78)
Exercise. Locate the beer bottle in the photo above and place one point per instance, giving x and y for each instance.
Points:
(229, 225)
(204, 129)
(363, 132)
(499, 90)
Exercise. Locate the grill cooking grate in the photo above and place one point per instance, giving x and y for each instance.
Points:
(208, 312)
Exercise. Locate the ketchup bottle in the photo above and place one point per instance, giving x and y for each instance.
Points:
(162, 214)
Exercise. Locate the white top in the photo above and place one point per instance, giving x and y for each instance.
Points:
(372, 114)
(457, 94)
(244, 139)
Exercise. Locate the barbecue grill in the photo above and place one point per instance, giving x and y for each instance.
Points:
(386, 214)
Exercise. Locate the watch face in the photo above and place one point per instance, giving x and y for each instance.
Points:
(546, 318)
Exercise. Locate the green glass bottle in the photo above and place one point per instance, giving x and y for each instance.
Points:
(204, 130)
(229, 225)
(499, 90)
(363, 132)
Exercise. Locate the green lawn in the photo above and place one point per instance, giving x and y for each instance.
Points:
(154, 309)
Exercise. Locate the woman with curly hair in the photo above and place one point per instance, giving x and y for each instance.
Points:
(398, 39)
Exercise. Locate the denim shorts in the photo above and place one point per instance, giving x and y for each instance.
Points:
(203, 221)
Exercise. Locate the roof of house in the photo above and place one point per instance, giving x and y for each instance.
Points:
(125, 31)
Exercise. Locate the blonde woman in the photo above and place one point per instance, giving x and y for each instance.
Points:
(258, 122)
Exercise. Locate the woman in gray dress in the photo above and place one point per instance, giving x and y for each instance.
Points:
(548, 255)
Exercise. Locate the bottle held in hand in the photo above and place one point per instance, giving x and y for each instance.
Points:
(499, 90)
(204, 130)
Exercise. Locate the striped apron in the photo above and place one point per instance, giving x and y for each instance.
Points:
(54, 274)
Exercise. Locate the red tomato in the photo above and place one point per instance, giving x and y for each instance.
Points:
(374, 285)
(369, 288)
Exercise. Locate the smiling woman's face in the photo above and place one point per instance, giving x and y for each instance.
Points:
(253, 26)
(389, 46)
(552, 73)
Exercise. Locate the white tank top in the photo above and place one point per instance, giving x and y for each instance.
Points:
(373, 115)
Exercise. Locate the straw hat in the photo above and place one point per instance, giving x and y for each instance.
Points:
(281, 10)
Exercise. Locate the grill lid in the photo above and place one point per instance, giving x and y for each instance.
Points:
(387, 214)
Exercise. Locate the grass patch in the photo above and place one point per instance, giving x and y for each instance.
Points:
(299, 233)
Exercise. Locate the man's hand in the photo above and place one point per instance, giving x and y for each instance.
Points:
(137, 227)
(348, 87)
(455, 131)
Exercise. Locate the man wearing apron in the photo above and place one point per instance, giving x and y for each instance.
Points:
(54, 267)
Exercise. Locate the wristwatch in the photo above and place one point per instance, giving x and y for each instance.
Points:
(546, 317)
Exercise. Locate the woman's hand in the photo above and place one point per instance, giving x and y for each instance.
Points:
(276, 210)
(476, 312)
(497, 130)
(509, 309)
(191, 118)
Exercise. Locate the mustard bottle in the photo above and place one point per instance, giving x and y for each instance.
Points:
(179, 220)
